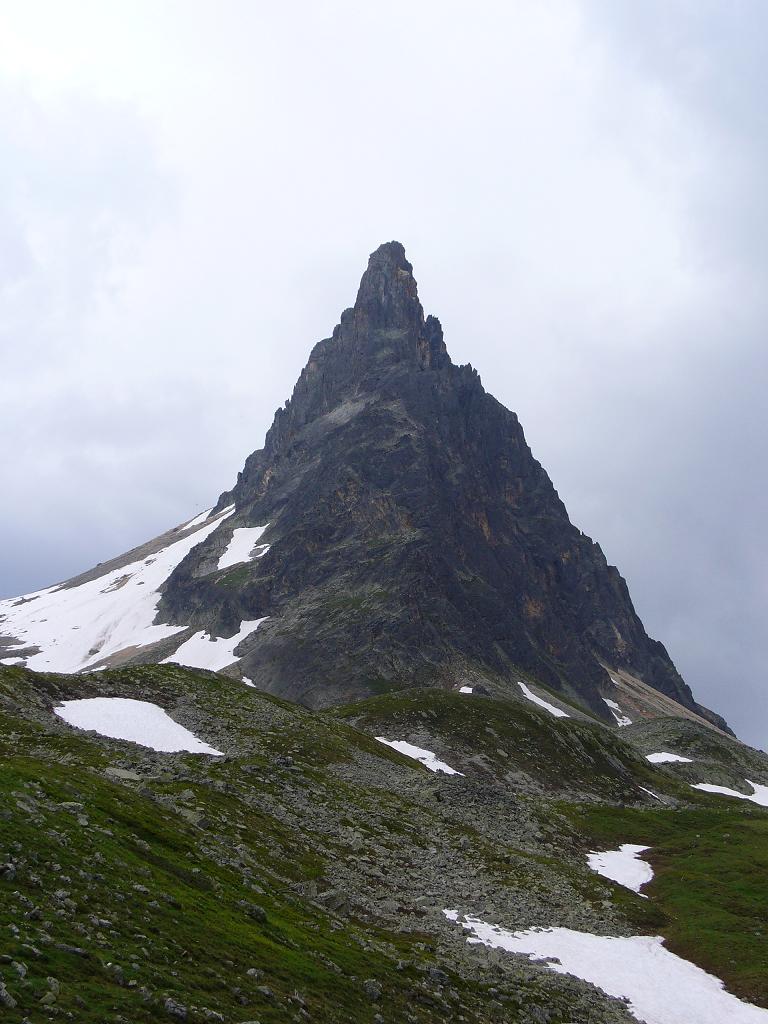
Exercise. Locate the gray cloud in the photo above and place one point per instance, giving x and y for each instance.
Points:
(187, 204)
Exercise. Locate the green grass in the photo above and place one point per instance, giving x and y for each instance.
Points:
(167, 862)
(182, 933)
(512, 735)
(711, 882)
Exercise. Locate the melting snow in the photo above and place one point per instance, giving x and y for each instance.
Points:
(241, 546)
(205, 651)
(75, 627)
(557, 712)
(134, 720)
(427, 757)
(623, 866)
(661, 987)
(663, 757)
(651, 793)
(758, 796)
(198, 519)
(465, 689)
(621, 718)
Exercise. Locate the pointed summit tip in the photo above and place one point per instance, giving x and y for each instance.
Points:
(391, 254)
(388, 296)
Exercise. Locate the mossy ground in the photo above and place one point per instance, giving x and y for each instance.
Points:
(129, 894)
(193, 871)
(710, 882)
(512, 735)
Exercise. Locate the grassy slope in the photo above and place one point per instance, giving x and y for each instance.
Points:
(711, 882)
(512, 735)
(181, 932)
(130, 894)
(710, 854)
(205, 836)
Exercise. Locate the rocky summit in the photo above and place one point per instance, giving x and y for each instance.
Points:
(394, 531)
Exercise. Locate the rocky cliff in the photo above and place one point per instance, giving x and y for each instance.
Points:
(414, 537)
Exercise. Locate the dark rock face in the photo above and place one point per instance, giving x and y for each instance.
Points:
(415, 539)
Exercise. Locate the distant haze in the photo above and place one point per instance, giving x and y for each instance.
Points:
(189, 195)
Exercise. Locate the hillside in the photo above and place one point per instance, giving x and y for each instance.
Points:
(304, 873)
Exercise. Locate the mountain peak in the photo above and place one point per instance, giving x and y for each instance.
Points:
(388, 297)
(411, 539)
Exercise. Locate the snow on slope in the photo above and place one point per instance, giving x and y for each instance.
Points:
(198, 519)
(624, 866)
(651, 793)
(759, 794)
(557, 712)
(139, 721)
(205, 651)
(240, 547)
(618, 714)
(661, 987)
(427, 757)
(664, 757)
(76, 627)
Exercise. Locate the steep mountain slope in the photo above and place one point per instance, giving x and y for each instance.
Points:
(409, 538)
(304, 874)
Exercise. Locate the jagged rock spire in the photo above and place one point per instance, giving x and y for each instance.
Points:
(388, 297)
(414, 537)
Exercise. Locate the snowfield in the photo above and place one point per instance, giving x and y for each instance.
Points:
(661, 987)
(557, 712)
(205, 651)
(618, 714)
(241, 546)
(758, 796)
(427, 757)
(624, 866)
(139, 721)
(663, 757)
(76, 627)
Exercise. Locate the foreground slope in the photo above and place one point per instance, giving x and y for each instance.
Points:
(304, 874)
(395, 530)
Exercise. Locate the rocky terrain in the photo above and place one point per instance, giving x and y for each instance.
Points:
(304, 874)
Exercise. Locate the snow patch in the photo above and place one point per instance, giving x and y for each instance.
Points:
(759, 793)
(197, 520)
(664, 757)
(76, 627)
(249, 682)
(624, 866)
(651, 793)
(241, 546)
(427, 757)
(661, 987)
(465, 689)
(618, 714)
(139, 721)
(205, 651)
(557, 712)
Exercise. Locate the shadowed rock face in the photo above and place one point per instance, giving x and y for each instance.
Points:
(415, 539)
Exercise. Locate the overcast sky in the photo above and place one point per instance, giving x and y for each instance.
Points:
(188, 195)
